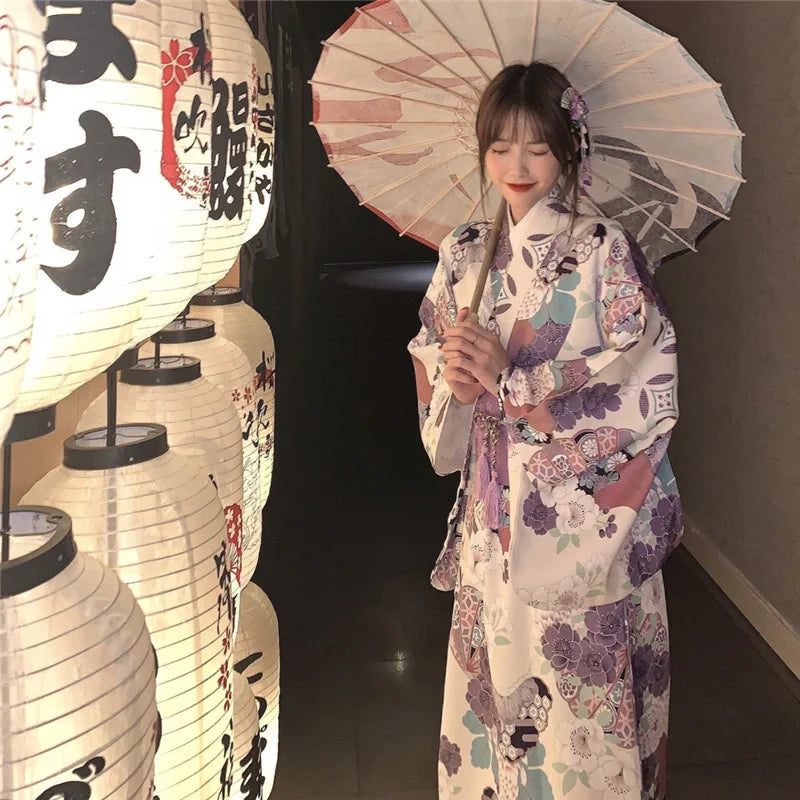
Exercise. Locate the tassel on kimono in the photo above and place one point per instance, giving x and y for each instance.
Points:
(484, 473)
(491, 506)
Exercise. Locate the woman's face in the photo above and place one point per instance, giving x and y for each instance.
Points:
(521, 168)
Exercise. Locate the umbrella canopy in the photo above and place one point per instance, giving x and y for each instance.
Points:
(398, 85)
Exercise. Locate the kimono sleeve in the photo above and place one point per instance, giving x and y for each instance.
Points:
(445, 423)
(616, 399)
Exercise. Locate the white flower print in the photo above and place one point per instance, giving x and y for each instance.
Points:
(568, 595)
(582, 744)
(630, 385)
(529, 386)
(617, 776)
(578, 514)
(652, 594)
(446, 789)
(553, 495)
(497, 621)
(616, 460)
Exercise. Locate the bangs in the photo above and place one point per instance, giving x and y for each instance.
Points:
(511, 112)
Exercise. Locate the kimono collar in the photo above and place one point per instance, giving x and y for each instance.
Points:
(546, 217)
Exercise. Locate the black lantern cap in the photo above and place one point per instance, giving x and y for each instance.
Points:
(31, 425)
(135, 442)
(218, 296)
(126, 360)
(26, 572)
(180, 331)
(171, 370)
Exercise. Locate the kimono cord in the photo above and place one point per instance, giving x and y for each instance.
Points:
(488, 257)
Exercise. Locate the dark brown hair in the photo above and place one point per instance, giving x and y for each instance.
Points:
(532, 92)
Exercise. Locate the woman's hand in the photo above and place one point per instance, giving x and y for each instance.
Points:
(472, 352)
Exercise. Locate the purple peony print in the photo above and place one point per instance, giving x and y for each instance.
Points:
(596, 665)
(667, 519)
(658, 678)
(641, 662)
(481, 700)
(566, 410)
(611, 526)
(598, 399)
(606, 626)
(561, 646)
(449, 755)
(537, 516)
(643, 562)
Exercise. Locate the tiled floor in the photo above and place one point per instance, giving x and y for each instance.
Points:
(353, 525)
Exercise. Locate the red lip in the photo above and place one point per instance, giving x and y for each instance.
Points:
(519, 187)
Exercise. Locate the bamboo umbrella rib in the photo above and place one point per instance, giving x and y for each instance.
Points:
(660, 96)
(480, 199)
(535, 25)
(408, 75)
(409, 178)
(491, 32)
(694, 202)
(586, 39)
(438, 199)
(737, 178)
(656, 129)
(408, 41)
(647, 213)
(390, 150)
(376, 123)
(458, 44)
(374, 93)
(670, 41)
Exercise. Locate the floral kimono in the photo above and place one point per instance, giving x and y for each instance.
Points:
(557, 681)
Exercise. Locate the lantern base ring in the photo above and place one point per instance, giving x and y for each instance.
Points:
(134, 443)
(181, 331)
(171, 371)
(218, 296)
(37, 566)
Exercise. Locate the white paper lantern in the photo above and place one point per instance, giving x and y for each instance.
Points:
(247, 778)
(264, 143)
(185, 162)
(160, 526)
(248, 330)
(22, 53)
(202, 425)
(232, 137)
(257, 656)
(227, 367)
(101, 137)
(77, 673)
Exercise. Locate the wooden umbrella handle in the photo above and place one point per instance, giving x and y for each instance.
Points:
(488, 257)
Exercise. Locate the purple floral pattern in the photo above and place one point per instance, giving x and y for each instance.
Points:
(596, 665)
(449, 755)
(537, 516)
(561, 646)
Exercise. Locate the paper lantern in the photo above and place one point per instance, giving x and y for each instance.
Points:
(77, 673)
(21, 182)
(202, 425)
(159, 525)
(227, 367)
(184, 180)
(101, 138)
(261, 190)
(232, 137)
(256, 655)
(248, 330)
(247, 778)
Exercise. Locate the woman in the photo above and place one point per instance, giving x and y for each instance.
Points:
(557, 404)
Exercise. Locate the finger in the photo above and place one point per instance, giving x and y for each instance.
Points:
(455, 375)
(463, 313)
(470, 337)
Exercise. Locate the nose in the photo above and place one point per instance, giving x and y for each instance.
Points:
(519, 163)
